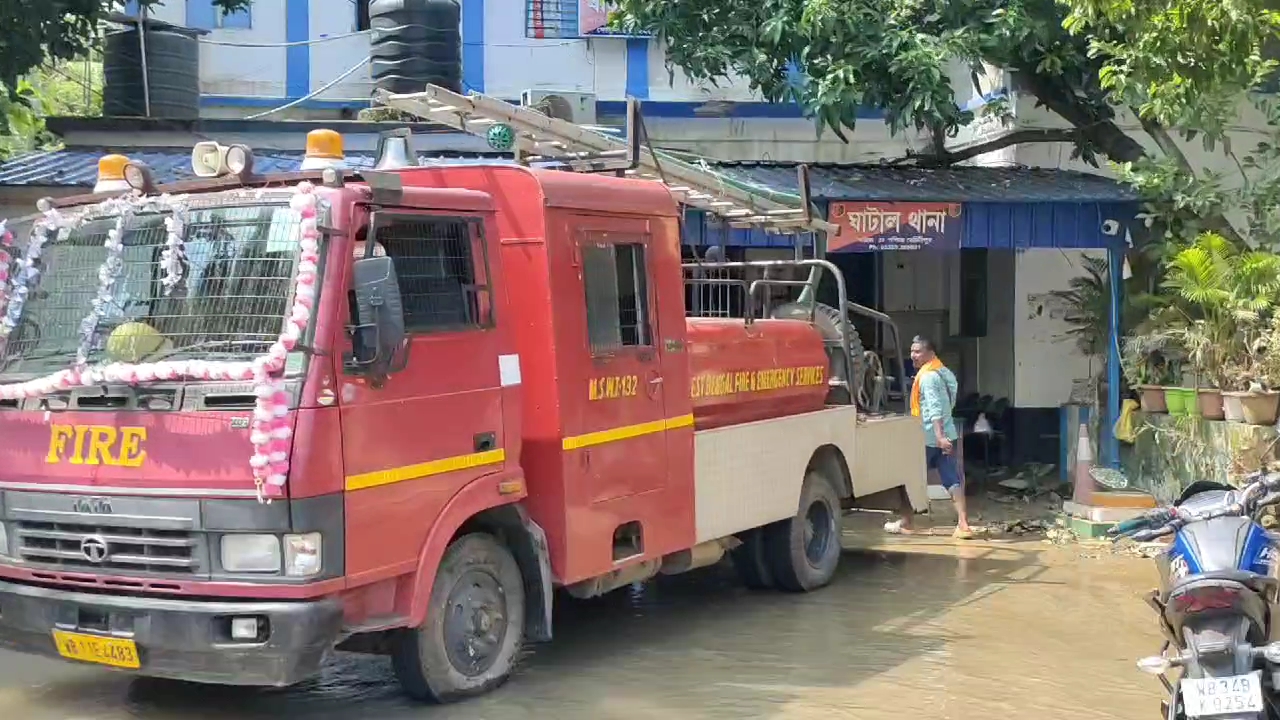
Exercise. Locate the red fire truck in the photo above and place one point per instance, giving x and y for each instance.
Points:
(499, 395)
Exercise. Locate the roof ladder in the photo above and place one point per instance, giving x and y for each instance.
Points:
(538, 139)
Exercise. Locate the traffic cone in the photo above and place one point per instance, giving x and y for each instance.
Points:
(1082, 493)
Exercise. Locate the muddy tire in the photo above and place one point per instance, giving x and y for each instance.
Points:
(751, 561)
(803, 552)
(474, 627)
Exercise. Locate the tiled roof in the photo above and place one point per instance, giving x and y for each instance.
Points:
(955, 184)
(77, 167)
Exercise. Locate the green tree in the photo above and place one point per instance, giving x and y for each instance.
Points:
(61, 30)
(1182, 66)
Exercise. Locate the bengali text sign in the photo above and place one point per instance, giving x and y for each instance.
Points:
(895, 226)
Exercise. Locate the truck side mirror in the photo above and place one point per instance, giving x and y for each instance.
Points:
(377, 315)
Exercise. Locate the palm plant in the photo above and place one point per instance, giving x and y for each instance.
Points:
(1219, 299)
(1088, 302)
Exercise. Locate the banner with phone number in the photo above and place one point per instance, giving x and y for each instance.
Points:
(868, 226)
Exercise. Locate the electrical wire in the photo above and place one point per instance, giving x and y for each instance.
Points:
(349, 72)
(297, 43)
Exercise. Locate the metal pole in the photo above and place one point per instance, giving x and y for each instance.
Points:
(1115, 273)
(142, 48)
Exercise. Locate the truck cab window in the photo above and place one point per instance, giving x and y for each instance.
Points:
(436, 268)
(617, 296)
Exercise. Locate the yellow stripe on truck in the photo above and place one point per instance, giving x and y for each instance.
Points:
(426, 469)
(626, 432)
(390, 476)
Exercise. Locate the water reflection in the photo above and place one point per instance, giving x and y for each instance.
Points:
(971, 632)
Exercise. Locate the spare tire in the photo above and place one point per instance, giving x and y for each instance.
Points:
(827, 320)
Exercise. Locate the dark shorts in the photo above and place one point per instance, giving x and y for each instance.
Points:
(946, 465)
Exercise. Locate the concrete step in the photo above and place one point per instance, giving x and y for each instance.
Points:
(1100, 514)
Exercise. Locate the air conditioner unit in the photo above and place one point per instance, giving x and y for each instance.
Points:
(578, 108)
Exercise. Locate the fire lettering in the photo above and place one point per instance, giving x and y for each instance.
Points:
(753, 381)
(97, 445)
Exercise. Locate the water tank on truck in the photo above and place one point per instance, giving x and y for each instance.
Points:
(742, 372)
(415, 43)
(172, 72)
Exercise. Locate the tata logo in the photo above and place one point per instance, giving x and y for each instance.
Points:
(92, 505)
(97, 445)
(94, 548)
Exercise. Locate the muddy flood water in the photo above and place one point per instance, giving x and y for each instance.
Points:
(920, 627)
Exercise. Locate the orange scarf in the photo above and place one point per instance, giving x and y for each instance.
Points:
(933, 365)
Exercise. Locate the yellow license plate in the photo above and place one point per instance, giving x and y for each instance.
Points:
(91, 648)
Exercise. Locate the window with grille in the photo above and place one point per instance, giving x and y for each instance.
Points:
(436, 265)
(617, 293)
(551, 18)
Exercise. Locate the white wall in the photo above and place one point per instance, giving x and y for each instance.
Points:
(1046, 360)
(331, 59)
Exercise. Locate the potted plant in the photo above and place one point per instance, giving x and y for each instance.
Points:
(1147, 370)
(1259, 401)
(1217, 297)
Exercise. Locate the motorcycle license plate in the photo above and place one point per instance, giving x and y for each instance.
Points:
(1206, 697)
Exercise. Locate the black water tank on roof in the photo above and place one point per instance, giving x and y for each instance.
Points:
(415, 43)
(173, 66)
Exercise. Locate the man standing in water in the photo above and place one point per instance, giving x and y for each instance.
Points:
(933, 400)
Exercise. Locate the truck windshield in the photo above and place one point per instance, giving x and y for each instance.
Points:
(230, 304)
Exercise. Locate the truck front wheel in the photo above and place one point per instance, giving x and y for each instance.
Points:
(804, 551)
(474, 627)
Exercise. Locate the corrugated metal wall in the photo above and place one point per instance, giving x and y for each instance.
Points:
(986, 225)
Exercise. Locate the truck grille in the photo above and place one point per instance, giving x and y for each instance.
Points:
(126, 549)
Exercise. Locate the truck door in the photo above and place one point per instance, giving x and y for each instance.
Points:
(624, 417)
(411, 442)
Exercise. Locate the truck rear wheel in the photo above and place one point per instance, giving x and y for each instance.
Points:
(474, 627)
(751, 561)
(804, 551)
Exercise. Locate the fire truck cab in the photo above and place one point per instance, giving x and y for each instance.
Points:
(499, 393)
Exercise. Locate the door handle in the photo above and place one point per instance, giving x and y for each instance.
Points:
(656, 381)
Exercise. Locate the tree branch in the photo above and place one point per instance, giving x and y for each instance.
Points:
(1217, 223)
(1102, 132)
(940, 157)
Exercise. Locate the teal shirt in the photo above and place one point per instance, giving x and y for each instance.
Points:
(937, 401)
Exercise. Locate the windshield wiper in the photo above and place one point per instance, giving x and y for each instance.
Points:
(207, 344)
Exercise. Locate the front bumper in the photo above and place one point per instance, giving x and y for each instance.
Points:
(178, 639)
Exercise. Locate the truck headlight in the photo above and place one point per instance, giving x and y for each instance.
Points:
(302, 555)
(4, 540)
(251, 553)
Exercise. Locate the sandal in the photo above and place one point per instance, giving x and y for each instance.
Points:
(964, 534)
(895, 528)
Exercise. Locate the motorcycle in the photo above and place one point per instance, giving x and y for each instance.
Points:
(1218, 583)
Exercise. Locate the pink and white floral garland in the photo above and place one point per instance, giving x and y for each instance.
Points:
(26, 268)
(270, 431)
(108, 273)
(6, 259)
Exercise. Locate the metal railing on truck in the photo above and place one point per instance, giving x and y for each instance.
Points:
(723, 289)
